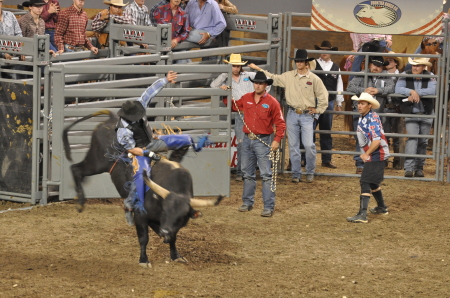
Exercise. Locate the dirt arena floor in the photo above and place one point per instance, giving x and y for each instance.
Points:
(307, 249)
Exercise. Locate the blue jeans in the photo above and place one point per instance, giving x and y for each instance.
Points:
(301, 126)
(417, 126)
(256, 153)
(356, 65)
(325, 122)
(238, 126)
(51, 34)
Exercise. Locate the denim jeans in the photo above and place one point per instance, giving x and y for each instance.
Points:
(417, 126)
(356, 65)
(51, 34)
(238, 126)
(325, 122)
(301, 125)
(256, 153)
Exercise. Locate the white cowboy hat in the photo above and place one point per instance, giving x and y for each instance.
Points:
(115, 2)
(367, 97)
(235, 59)
(419, 61)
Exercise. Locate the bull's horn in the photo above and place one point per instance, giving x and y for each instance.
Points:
(205, 203)
(159, 190)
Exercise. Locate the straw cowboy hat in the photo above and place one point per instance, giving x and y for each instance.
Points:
(235, 59)
(367, 97)
(419, 61)
(398, 59)
(260, 77)
(326, 45)
(115, 2)
(132, 110)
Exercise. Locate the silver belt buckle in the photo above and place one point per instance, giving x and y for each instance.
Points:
(252, 136)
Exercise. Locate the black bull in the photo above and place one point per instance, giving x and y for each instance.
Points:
(169, 202)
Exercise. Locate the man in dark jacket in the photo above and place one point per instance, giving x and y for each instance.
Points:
(415, 89)
(333, 82)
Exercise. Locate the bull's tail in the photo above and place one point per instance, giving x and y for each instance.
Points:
(66, 130)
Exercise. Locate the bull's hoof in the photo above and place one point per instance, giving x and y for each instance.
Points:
(80, 207)
(181, 260)
(145, 265)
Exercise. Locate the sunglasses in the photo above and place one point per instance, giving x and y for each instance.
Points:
(431, 44)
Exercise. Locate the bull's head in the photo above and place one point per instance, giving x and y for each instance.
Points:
(177, 209)
(365, 11)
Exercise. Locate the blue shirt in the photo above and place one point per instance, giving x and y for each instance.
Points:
(400, 87)
(124, 135)
(370, 129)
(209, 18)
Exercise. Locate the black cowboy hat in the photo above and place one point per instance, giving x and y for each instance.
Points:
(378, 61)
(302, 55)
(260, 77)
(326, 45)
(132, 111)
(33, 3)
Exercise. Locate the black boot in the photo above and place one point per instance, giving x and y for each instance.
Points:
(381, 207)
(362, 214)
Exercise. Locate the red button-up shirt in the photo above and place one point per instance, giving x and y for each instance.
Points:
(180, 22)
(50, 19)
(261, 117)
(71, 28)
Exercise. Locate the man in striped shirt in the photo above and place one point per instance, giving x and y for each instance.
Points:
(240, 86)
(138, 14)
(70, 35)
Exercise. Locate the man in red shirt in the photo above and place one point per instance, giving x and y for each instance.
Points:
(70, 34)
(261, 113)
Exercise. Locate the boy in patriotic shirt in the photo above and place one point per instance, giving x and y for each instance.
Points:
(375, 152)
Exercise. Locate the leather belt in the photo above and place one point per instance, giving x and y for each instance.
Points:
(74, 48)
(299, 111)
(420, 113)
(253, 136)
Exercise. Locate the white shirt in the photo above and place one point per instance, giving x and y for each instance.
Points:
(326, 66)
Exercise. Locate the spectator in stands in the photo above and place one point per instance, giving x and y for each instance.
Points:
(206, 20)
(8, 26)
(114, 12)
(391, 124)
(359, 40)
(173, 14)
(138, 14)
(377, 86)
(415, 89)
(262, 113)
(50, 16)
(70, 34)
(333, 82)
(227, 7)
(31, 24)
(162, 3)
(306, 96)
(240, 86)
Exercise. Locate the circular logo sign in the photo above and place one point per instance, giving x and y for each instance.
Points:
(377, 14)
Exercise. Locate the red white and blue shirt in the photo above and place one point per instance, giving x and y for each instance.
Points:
(370, 129)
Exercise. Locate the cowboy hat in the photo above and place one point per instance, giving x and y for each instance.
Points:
(301, 55)
(132, 111)
(326, 45)
(398, 59)
(420, 61)
(260, 77)
(378, 61)
(33, 3)
(367, 97)
(115, 2)
(235, 59)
